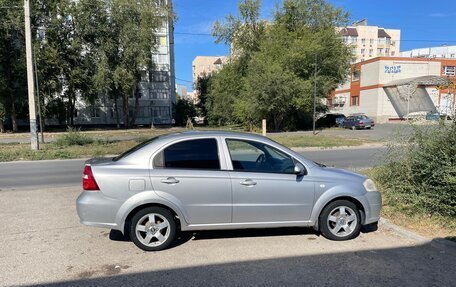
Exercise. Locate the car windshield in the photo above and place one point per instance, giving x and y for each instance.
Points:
(133, 149)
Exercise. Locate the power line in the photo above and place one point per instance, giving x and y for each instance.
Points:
(192, 34)
(182, 80)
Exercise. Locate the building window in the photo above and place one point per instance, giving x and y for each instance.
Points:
(452, 56)
(95, 113)
(363, 41)
(354, 101)
(160, 112)
(387, 51)
(371, 42)
(160, 77)
(449, 71)
(363, 51)
(160, 95)
(356, 74)
(379, 51)
(392, 53)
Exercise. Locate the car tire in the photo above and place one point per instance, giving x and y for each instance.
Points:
(337, 216)
(153, 228)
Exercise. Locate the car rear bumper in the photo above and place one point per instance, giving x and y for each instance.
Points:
(95, 209)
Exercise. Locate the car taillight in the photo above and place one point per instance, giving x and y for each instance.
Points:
(88, 180)
(360, 122)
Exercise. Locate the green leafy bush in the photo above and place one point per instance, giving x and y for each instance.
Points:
(418, 173)
(73, 137)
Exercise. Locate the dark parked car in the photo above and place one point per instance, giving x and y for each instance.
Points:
(358, 122)
(330, 120)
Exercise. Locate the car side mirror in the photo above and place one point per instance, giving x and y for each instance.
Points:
(299, 169)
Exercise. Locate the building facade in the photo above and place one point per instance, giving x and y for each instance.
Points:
(386, 88)
(157, 89)
(206, 65)
(369, 42)
(431, 52)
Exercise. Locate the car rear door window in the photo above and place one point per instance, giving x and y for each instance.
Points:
(190, 154)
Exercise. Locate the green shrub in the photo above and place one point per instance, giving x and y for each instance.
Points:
(73, 137)
(418, 172)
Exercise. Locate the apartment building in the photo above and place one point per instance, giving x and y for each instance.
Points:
(386, 88)
(431, 52)
(206, 65)
(369, 42)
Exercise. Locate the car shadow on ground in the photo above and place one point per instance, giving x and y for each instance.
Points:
(185, 236)
(430, 264)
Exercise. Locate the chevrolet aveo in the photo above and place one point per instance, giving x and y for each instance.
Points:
(221, 180)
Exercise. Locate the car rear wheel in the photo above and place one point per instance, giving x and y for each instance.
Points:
(153, 229)
(340, 220)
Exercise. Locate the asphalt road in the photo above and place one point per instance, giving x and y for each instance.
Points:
(61, 173)
(43, 244)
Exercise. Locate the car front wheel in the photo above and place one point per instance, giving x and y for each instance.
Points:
(340, 220)
(153, 228)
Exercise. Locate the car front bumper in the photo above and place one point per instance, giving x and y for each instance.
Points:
(95, 209)
(372, 202)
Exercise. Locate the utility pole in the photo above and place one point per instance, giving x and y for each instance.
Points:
(315, 96)
(30, 80)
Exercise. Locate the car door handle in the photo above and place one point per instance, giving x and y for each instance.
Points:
(170, 180)
(248, 182)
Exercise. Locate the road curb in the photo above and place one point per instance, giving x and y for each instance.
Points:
(364, 146)
(401, 231)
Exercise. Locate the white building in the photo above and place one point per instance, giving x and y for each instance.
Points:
(431, 52)
(386, 88)
(368, 42)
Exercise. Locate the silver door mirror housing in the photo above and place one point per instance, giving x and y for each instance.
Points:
(299, 169)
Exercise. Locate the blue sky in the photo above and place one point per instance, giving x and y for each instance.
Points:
(422, 24)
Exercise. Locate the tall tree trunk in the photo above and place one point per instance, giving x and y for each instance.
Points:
(136, 110)
(125, 111)
(2, 126)
(72, 104)
(14, 117)
(116, 108)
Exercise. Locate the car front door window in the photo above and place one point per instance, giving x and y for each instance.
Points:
(249, 156)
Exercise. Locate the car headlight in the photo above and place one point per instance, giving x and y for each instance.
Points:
(369, 185)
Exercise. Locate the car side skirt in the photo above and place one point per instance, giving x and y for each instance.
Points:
(246, 225)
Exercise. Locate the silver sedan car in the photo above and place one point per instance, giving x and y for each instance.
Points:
(221, 180)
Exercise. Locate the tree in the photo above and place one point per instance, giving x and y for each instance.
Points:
(12, 60)
(242, 32)
(274, 75)
(202, 90)
(223, 92)
(123, 49)
(185, 110)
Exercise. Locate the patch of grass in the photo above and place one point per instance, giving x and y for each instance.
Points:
(306, 140)
(399, 211)
(73, 137)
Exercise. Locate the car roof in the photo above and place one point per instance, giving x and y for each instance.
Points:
(159, 141)
(198, 133)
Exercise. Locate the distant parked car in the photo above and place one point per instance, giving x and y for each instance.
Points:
(358, 122)
(330, 120)
(220, 180)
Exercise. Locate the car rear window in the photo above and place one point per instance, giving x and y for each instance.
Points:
(191, 154)
(134, 149)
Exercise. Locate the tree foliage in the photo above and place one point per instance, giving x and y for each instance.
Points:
(83, 49)
(273, 70)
